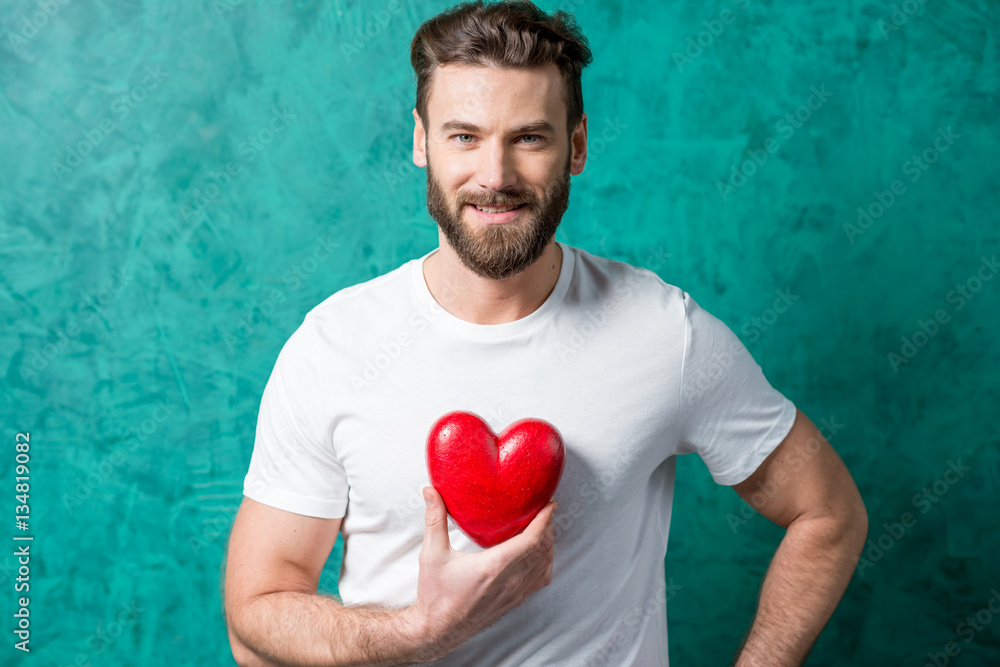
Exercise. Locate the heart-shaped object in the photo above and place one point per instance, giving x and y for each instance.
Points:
(493, 486)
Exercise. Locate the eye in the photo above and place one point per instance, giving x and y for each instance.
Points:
(538, 138)
(463, 135)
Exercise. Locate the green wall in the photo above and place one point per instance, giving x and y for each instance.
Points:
(147, 286)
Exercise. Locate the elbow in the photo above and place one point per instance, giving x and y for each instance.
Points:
(852, 520)
(862, 519)
(244, 657)
(858, 514)
(850, 528)
(860, 525)
(242, 654)
(846, 526)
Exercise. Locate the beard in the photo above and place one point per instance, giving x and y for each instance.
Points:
(498, 251)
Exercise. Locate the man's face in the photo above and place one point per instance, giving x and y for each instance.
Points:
(497, 138)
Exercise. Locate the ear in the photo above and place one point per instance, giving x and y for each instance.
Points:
(578, 146)
(419, 141)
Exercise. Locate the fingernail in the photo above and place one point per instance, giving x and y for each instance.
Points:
(428, 498)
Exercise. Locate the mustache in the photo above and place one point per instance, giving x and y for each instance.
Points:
(499, 202)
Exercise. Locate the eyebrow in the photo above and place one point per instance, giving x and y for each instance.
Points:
(541, 126)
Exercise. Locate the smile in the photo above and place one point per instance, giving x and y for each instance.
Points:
(497, 214)
(487, 209)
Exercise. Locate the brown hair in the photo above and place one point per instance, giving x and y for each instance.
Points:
(512, 34)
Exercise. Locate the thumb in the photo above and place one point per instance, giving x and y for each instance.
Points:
(435, 522)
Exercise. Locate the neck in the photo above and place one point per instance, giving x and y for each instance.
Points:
(483, 301)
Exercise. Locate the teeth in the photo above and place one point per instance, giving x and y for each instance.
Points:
(496, 210)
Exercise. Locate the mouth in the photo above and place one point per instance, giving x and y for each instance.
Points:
(497, 213)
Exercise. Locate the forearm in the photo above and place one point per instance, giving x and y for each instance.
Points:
(291, 628)
(803, 585)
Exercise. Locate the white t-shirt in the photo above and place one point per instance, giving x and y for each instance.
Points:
(628, 368)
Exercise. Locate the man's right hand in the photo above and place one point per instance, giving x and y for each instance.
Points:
(460, 594)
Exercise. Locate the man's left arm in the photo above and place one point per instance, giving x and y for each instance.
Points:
(818, 503)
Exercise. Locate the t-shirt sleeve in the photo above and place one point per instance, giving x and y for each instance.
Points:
(730, 415)
(294, 466)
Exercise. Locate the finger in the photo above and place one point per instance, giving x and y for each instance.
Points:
(517, 547)
(539, 576)
(537, 555)
(436, 540)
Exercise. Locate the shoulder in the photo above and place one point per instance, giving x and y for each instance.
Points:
(356, 308)
(627, 283)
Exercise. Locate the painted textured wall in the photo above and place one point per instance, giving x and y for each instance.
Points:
(169, 170)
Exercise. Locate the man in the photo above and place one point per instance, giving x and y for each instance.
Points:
(503, 321)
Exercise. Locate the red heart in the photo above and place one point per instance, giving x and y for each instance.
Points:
(493, 486)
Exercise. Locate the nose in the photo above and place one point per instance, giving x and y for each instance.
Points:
(496, 168)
